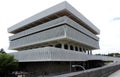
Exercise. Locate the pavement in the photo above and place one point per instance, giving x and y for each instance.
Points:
(115, 74)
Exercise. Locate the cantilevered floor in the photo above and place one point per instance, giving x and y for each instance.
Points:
(62, 9)
(57, 29)
(57, 54)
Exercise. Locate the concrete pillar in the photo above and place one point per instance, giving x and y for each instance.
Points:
(68, 46)
(82, 49)
(90, 52)
(86, 51)
(62, 46)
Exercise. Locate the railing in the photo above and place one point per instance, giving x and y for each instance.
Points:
(96, 72)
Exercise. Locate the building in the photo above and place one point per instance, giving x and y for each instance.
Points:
(55, 41)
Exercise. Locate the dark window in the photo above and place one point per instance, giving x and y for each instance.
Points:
(80, 49)
(42, 46)
(76, 48)
(71, 47)
(58, 45)
(50, 45)
(66, 46)
(84, 50)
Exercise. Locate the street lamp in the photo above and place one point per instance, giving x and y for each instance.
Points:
(79, 66)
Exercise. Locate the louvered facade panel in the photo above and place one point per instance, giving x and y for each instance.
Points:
(81, 38)
(37, 38)
(47, 25)
(54, 23)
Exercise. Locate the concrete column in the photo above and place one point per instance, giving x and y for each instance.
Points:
(78, 48)
(86, 51)
(53, 45)
(90, 52)
(68, 46)
(62, 46)
(82, 49)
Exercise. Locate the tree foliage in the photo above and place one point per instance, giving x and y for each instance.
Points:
(114, 54)
(2, 50)
(110, 54)
(7, 64)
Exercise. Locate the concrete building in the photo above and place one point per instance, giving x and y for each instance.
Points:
(57, 40)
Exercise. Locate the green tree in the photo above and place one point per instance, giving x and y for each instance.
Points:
(114, 54)
(2, 50)
(7, 64)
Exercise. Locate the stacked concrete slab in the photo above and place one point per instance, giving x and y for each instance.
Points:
(58, 34)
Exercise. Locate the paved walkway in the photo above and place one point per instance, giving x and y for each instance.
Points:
(115, 74)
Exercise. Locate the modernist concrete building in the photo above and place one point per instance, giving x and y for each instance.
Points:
(55, 41)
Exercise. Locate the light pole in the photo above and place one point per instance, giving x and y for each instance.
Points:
(79, 66)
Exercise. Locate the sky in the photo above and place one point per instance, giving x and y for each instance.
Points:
(104, 14)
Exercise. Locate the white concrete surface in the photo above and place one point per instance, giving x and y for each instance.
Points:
(115, 74)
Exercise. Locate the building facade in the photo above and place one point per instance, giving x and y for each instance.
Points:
(53, 41)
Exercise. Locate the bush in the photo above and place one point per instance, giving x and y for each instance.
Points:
(7, 64)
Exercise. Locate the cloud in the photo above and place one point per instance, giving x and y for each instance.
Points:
(116, 18)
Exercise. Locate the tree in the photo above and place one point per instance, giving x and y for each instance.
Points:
(2, 50)
(114, 54)
(7, 64)
(110, 54)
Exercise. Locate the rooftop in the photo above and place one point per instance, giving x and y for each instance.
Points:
(62, 9)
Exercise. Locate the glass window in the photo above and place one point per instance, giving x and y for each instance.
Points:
(71, 47)
(66, 46)
(58, 45)
(50, 45)
(84, 50)
(80, 49)
(76, 48)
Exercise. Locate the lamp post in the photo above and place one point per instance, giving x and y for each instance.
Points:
(79, 66)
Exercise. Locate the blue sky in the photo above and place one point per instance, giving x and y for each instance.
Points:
(104, 14)
(116, 18)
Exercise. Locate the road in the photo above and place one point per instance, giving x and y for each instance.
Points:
(115, 74)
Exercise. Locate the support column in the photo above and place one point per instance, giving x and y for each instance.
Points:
(82, 49)
(63, 46)
(90, 52)
(68, 46)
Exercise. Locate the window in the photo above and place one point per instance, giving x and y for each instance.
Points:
(80, 49)
(58, 45)
(76, 48)
(50, 45)
(84, 50)
(66, 46)
(71, 47)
